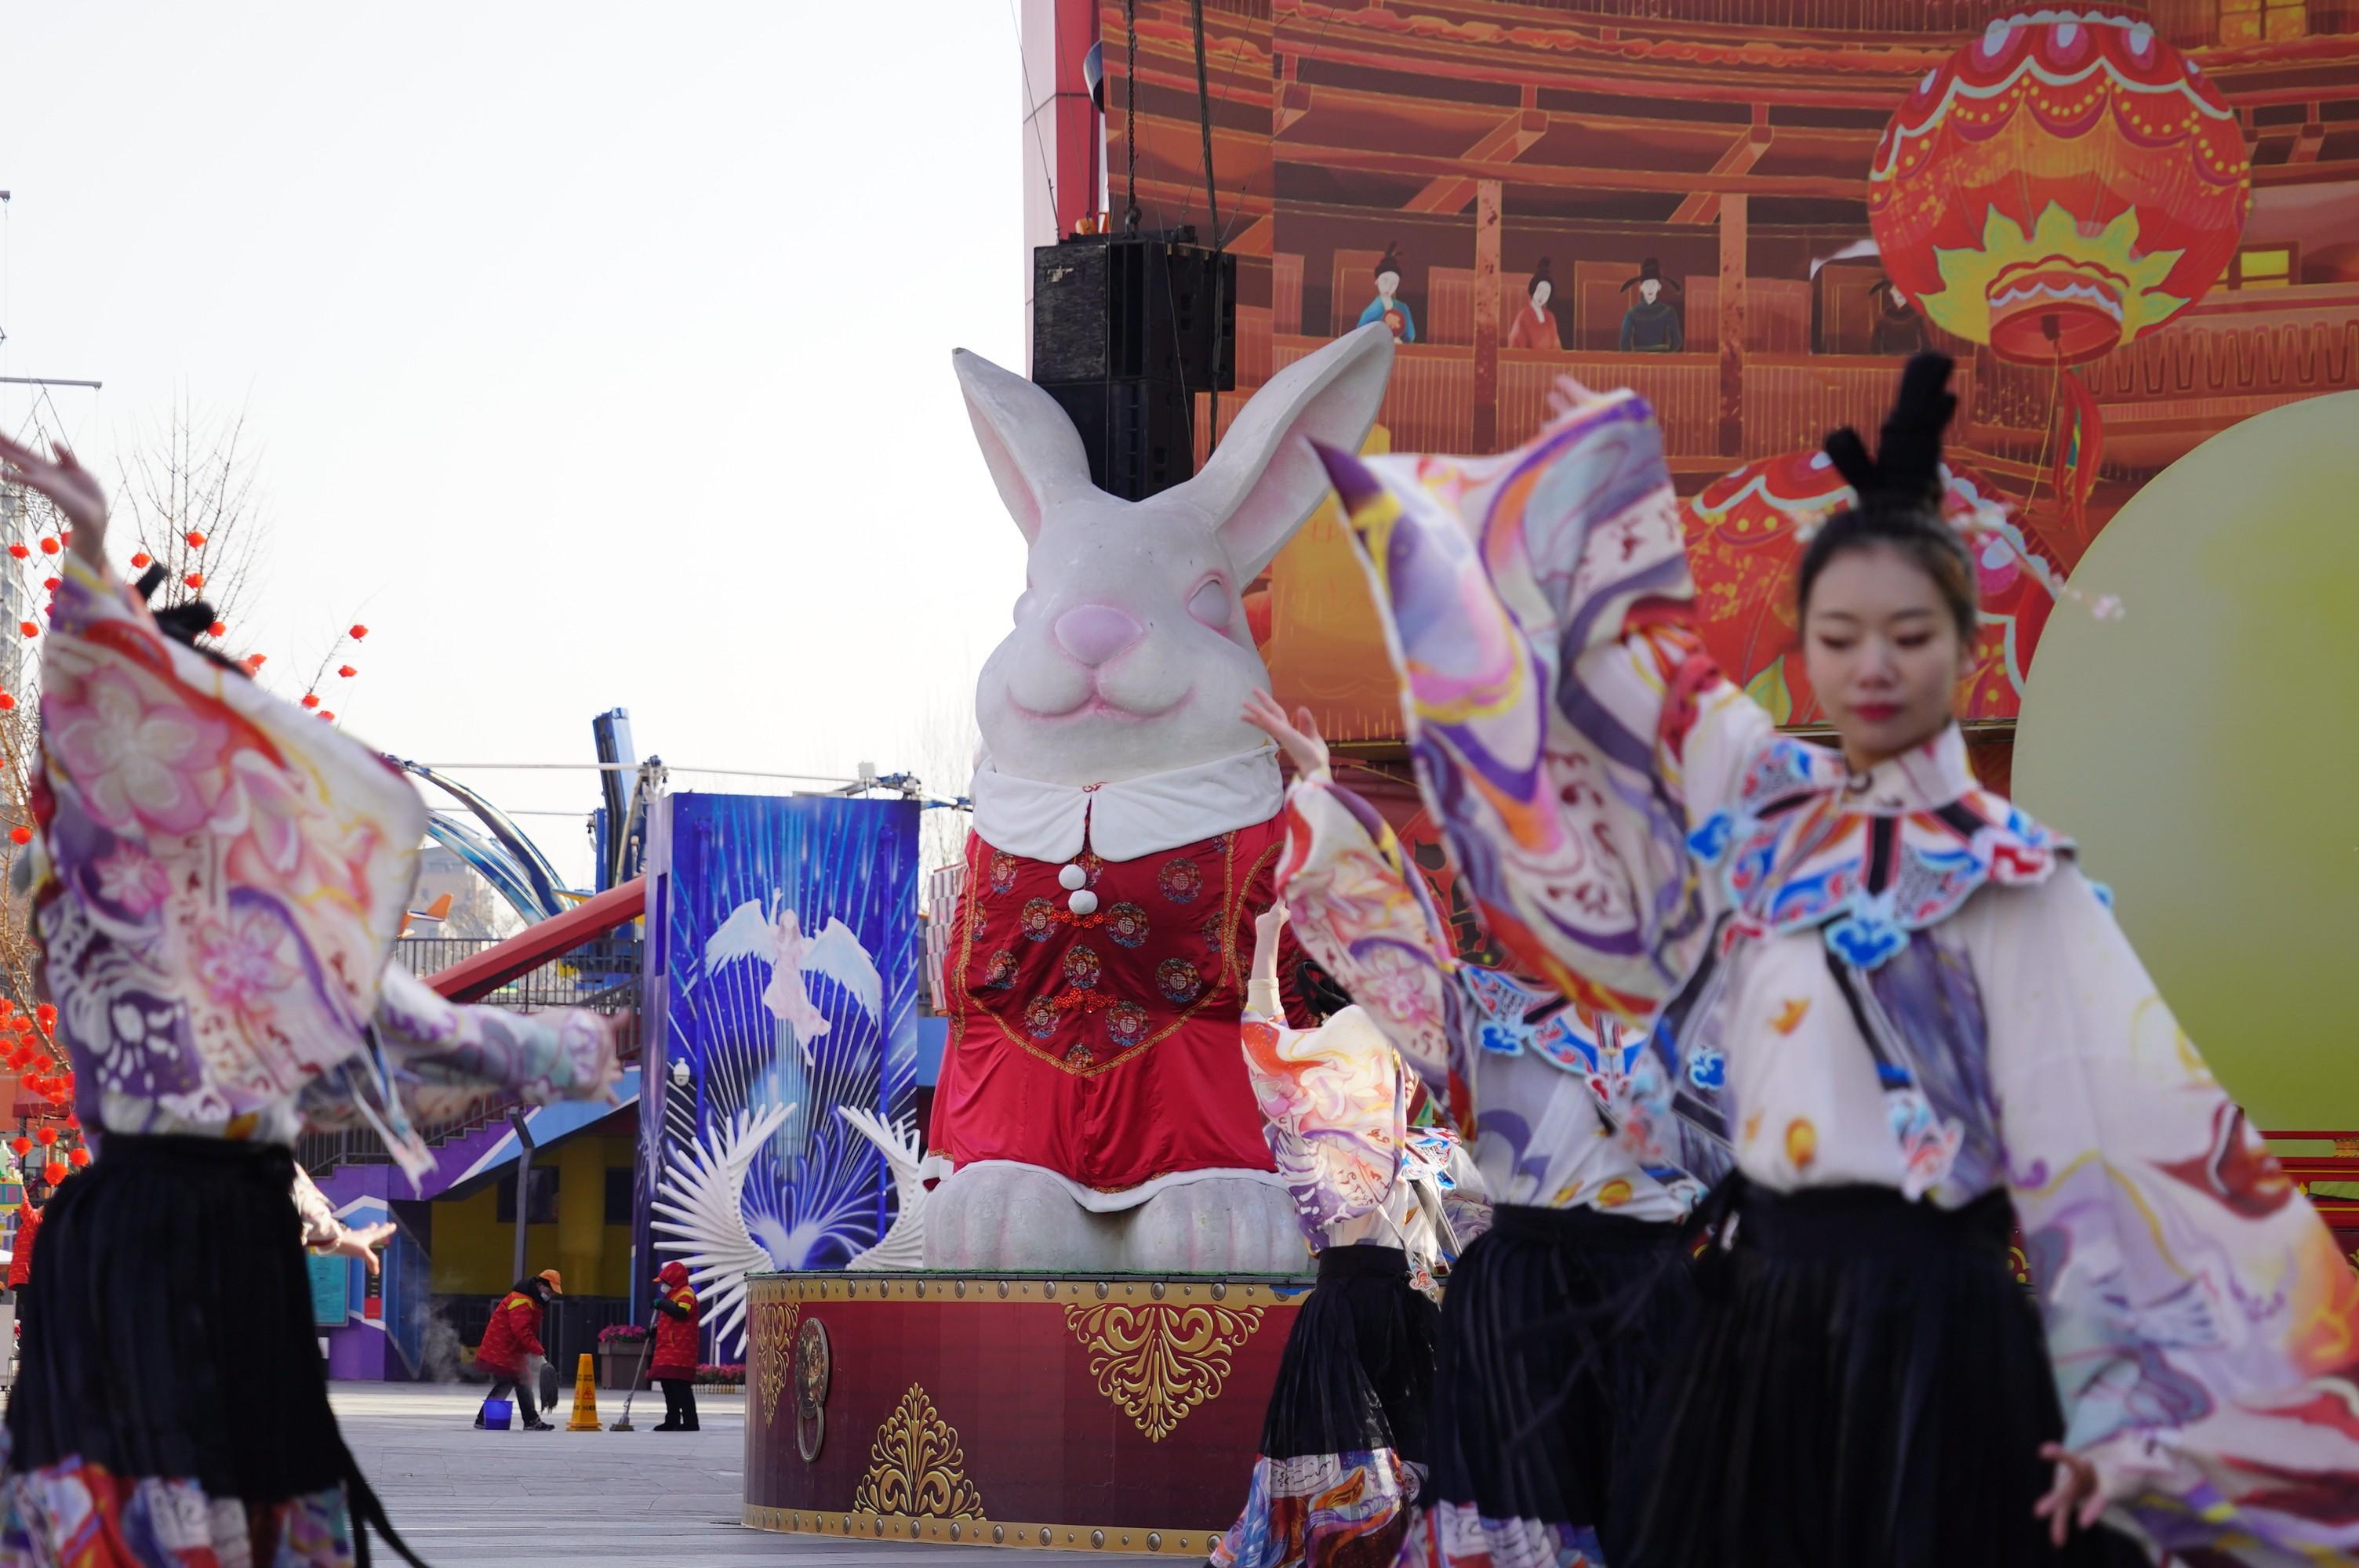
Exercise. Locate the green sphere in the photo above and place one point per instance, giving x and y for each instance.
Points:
(2204, 749)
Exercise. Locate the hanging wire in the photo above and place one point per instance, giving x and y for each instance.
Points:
(1212, 226)
(1130, 213)
(1032, 108)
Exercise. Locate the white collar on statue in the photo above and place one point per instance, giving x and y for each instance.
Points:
(1131, 817)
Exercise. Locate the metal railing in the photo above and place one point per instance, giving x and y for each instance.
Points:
(601, 974)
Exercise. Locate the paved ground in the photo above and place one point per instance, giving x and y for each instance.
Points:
(465, 1499)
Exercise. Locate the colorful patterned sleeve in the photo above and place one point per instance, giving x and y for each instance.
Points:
(1362, 911)
(1572, 736)
(2203, 1326)
(1335, 1109)
(222, 868)
(540, 1057)
(321, 1225)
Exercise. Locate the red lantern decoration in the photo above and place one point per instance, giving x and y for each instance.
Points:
(310, 699)
(78, 1158)
(218, 629)
(2062, 186)
(50, 547)
(55, 1171)
(346, 671)
(328, 716)
(141, 561)
(19, 551)
(48, 1135)
(47, 1014)
(2065, 183)
(28, 628)
(253, 663)
(23, 1146)
(358, 633)
(196, 540)
(73, 1121)
(8, 703)
(20, 835)
(1744, 537)
(194, 580)
(51, 584)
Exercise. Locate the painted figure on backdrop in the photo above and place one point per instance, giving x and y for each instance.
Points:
(1388, 306)
(1651, 325)
(1535, 325)
(1899, 330)
(1127, 827)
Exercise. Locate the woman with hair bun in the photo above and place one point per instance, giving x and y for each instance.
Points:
(1896, 1003)
(1535, 325)
(1388, 306)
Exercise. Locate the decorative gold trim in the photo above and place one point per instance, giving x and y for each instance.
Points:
(1156, 1361)
(916, 1466)
(773, 1343)
(858, 1524)
(971, 1290)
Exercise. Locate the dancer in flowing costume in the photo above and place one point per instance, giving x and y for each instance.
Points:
(1559, 1313)
(1903, 1010)
(1343, 1445)
(219, 881)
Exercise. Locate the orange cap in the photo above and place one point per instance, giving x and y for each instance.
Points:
(556, 1285)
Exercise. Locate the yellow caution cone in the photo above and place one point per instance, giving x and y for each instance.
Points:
(585, 1396)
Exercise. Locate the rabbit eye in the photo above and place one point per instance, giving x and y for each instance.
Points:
(1210, 605)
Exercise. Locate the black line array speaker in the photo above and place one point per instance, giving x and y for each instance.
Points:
(1126, 331)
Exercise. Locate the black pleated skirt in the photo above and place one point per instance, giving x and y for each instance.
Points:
(1358, 1374)
(169, 1330)
(1344, 1442)
(1867, 1384)
(1555, 1327)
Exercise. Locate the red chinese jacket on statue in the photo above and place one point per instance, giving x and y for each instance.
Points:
(1096, 975)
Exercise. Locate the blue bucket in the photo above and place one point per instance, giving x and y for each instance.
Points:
(497, 1412)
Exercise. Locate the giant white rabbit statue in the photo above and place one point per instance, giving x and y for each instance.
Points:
(1094, 1097)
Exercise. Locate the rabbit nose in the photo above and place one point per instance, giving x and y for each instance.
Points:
(1092, 633)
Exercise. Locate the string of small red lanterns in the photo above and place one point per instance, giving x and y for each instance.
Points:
(28, 1046)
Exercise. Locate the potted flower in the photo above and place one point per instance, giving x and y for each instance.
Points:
(623, 1356)
(724, 1375)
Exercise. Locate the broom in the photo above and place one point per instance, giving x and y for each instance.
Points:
(624, 1422)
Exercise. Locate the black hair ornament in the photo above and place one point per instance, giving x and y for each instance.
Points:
(184, 622)
(1906, 474)
(1319, 990)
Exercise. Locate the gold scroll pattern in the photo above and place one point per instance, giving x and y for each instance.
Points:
(916, 1466)
(1157, 1362)
(774, 1351)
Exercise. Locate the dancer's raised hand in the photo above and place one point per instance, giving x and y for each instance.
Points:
(1299, 740)
(67, 483)
(1568, 398)
(362, 1244)
(2075, 1499)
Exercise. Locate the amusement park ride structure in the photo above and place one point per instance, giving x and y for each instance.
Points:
(504, 856)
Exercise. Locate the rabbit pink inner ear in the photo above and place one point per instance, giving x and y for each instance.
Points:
(1265, 479)
(1035, 455)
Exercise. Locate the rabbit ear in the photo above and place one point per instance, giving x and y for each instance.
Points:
(1265, 479)
(1033, 453)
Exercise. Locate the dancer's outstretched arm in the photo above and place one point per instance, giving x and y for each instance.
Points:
(74, 490)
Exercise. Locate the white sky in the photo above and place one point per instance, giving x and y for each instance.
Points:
(598, 353)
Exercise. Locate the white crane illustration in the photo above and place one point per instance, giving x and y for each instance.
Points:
(699, 1204)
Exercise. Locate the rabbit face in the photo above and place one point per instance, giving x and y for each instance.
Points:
(1130, 653)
